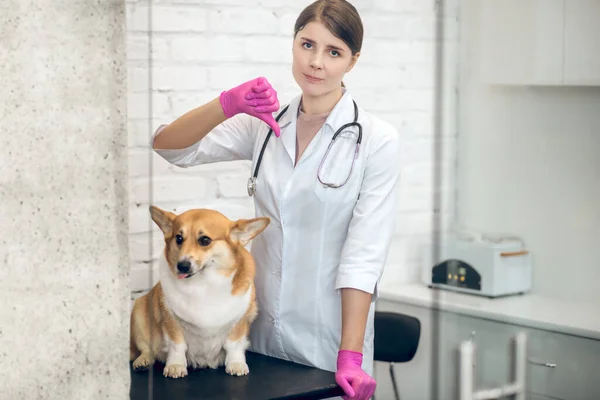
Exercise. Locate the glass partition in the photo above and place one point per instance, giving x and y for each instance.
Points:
(496, 105)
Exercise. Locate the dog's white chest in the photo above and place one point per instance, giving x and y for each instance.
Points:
(206, 311)
(208, 304)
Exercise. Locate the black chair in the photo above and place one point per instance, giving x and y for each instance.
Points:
(396, 340)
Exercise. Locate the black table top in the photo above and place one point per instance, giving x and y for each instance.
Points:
(269, 378)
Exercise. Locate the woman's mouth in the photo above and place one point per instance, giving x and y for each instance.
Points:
(312, 79)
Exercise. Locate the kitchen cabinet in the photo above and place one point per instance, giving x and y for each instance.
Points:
(537, 42)
(437, 355)
(413, 378)
(560, 366)
(534, 396)
(582, 42)
(521, 41)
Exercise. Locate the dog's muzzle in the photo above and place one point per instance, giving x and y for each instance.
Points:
(184, 269)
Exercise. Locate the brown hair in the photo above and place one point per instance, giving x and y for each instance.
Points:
(339, 16)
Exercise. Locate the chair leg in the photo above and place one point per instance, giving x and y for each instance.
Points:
(393, 376)
(374, 375)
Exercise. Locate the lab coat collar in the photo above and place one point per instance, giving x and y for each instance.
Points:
(287, 125)
(341, 114)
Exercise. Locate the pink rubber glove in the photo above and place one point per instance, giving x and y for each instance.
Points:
(355, 382)
(256, 97)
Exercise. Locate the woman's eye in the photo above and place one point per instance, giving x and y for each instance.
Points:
(179, 239)
(204, 241)
(335, 53)
(307, 45)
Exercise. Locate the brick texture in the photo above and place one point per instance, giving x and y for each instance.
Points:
(201, 47)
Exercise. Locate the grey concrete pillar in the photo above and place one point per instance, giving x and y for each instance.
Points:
(64, 275)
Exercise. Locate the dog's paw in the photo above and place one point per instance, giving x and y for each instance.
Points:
(237, 368)
(175, 371)
(142, 363)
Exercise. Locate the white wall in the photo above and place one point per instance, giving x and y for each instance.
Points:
(204, 47)
(529, 166)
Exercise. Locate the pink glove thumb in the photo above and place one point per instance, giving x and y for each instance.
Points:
(270, 120)
(355, 382)
(255, 97)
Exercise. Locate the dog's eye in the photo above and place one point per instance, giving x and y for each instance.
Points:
(178, 239)
(204, 241)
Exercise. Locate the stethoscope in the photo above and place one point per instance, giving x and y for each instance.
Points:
(252, 179)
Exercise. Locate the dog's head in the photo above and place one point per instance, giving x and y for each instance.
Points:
(202, 238)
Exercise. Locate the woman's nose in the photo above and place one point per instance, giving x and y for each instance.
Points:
(316, 62)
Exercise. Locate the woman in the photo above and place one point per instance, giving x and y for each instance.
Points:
(320, 259)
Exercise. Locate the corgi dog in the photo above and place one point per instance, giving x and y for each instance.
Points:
(199, 313)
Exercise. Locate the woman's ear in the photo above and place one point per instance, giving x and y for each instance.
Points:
(353, 62)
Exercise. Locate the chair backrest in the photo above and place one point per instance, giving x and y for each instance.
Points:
(396, 337)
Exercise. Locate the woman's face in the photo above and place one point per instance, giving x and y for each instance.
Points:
(320, 59)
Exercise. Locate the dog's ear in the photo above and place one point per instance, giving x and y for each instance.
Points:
(244, 230)
(164, 219)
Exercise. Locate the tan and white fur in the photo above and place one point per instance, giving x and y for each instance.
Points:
(199, 313)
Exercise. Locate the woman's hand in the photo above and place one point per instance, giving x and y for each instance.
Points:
(255, 97)
(355, 382)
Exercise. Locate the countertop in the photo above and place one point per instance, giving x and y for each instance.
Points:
(530, 310)
(269, 378)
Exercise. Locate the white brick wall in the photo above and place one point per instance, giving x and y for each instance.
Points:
(201, 47)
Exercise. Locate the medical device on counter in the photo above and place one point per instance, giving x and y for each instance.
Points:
(490, 266)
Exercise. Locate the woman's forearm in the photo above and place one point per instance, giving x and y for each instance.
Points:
(191, 127)
(355, 311)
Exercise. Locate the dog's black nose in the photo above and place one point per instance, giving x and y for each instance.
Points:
(184, 266)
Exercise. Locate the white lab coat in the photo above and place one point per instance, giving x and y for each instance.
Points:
(320, 239)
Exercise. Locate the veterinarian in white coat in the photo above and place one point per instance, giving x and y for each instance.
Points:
(322, 256)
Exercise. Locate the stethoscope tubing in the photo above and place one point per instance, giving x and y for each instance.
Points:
(252, 181)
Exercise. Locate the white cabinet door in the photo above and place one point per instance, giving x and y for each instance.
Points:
(492, 357)
(413, 378)
(582, 42)
(521, 41)
(574, 377)
(437, 356)
(535, 396)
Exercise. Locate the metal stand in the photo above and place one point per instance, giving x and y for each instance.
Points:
(467, 380)
(394, 384)
(393, 376)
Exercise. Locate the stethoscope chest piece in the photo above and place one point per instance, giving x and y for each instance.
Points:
(251, 186)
